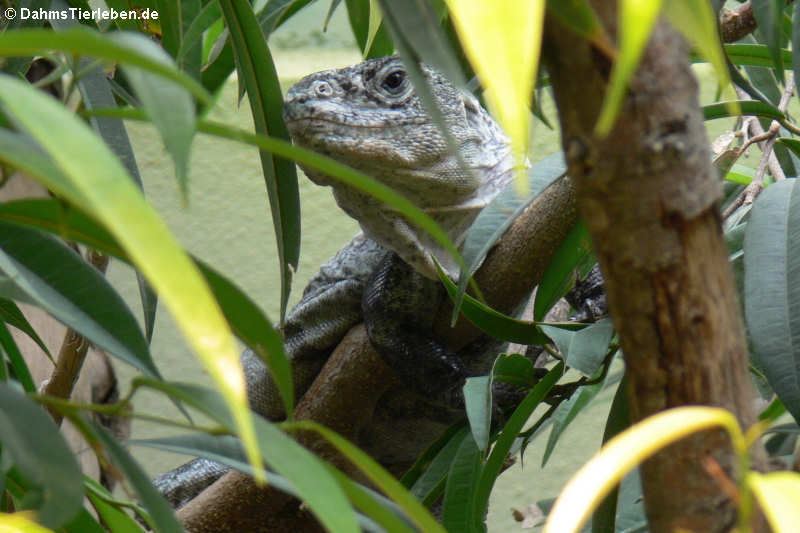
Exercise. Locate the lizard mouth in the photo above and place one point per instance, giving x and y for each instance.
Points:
(318, 122)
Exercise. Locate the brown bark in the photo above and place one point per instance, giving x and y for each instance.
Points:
(649, 196)
(354, 378)
(736, 23)
(72, 353)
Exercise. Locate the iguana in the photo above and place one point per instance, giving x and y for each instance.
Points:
(369, 116)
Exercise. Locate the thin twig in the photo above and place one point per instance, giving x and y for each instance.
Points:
(72, 354)
(766, 141)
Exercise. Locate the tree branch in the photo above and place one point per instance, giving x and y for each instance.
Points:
(72, 353)
(648, 194)
(736, 23)
(355, 379)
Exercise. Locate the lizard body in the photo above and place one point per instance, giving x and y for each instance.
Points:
(369, 117)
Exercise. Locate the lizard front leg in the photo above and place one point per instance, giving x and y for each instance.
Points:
(399, 306)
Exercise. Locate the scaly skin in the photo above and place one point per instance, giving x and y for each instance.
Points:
(369, 117)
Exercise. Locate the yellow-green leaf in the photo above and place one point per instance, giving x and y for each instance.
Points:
(502, 41)
(778, 495)
(20, 523)
(636, 21)
(695, 20)
(92, 178)
(595, 479)
(375, 19)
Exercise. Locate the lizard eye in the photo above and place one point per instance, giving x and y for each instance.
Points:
(394, 81)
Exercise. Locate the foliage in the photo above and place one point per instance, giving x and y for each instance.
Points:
(86, 164)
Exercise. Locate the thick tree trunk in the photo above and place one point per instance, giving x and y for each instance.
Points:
(649, 193)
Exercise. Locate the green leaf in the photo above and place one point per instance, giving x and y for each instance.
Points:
(276, 12)
(515, 369)
(18, 364)
(585, 349)
(566, 412)
(246, 319)
(493, 221)
(32, 441)
(171, 110)
(129, 49)
(116, 520)
(772, 288)
(636, 22)
(734, 238)
(93, 178)
(459, 496)
(310, 478)
(207, 16)
(791, 144)
(112, 507)
(358, 13)
(561, 337)
(21, 152)
(252, 326)
(572, 257)
(502, 41)
(579, 16)
(331, 10)
(171, 31)
(264, 92)
(377, 476)
(748, 107)
(413, 474)
(618, 420)
(478, 403)
(768, 15)
(61, 220)
(754, 55)
(375, 19)
(11, 314)
(383, 511)
(740, 174)
(82, 523)
(75, 293)
(698, 23)
(226, 450)
(773, 411)
(418, 27)
(18, 66)
(508, 435)
(176, 18)
(220, 66)
(427, 486)
(589, 347)
(764, 80)
(96, 91)
(160, 511)
(404, 25)
(491, 322)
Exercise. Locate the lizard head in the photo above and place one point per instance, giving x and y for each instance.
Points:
(369, 117)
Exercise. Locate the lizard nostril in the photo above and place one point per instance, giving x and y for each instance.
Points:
(322, 89)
